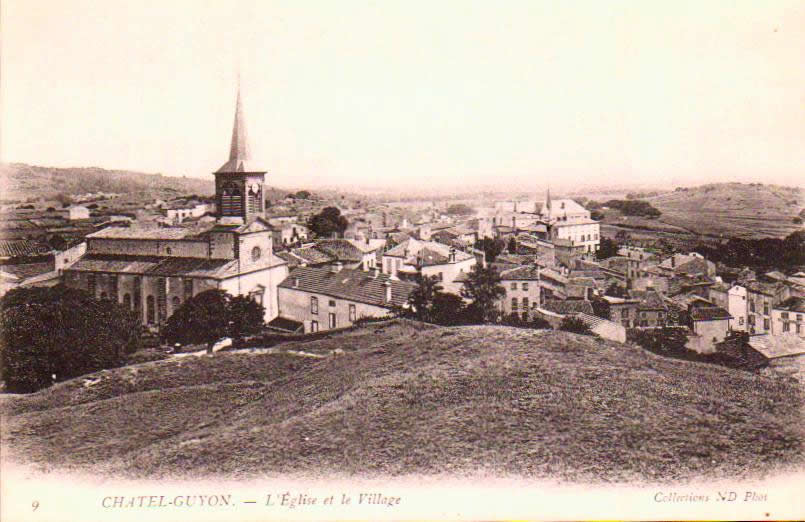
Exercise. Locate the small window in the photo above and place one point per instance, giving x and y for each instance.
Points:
(784, 315)
(514, 286)
(332, 302)
(765, 324)
(786, 327)
(799, 317)
(314, 326)
(176, 302)
(353, 314)
(256, 253)
(332, 320)
(525, 286)
(741, 321)
(168, 251)
(525, 303)
(514, 303)
(314, 305)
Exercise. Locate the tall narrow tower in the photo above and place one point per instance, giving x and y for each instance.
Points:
(239, 183)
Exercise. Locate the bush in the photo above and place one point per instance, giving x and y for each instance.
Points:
(60, 331)
(575, 325)
(634, 207)
(211, 315)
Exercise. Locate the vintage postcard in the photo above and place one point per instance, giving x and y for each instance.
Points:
(313, 260)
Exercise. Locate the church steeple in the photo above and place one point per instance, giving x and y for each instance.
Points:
(239, 152)
(238, 183)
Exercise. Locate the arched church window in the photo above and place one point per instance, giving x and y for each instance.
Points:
(256, 253)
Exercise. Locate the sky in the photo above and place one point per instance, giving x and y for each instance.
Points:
(412, 93)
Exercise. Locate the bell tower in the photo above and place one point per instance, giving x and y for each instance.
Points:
(239, 194)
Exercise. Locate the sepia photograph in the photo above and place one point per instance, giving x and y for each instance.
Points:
(318, 260)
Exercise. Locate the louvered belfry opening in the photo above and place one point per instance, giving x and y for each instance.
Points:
(231, 200)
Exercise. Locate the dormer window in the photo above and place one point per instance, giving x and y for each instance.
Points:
(256, 253)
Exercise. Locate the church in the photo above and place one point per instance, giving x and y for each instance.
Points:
(152, 271)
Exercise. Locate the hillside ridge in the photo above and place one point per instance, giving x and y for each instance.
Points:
(407, 400)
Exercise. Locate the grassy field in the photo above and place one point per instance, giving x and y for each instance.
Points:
(733, 209)
(407, 398)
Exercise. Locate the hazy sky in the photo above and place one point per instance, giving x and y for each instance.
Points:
(409, 93)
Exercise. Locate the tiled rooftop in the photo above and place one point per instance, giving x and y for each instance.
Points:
(354, 285)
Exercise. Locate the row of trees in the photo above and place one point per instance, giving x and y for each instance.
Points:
(53, 334)
(760, 254)
(58, 333)
(430, 304)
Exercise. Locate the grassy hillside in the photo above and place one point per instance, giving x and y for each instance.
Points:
(21, 181)
(733, 209)
(408, 398)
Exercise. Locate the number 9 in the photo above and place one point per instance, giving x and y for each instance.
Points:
(35, 505)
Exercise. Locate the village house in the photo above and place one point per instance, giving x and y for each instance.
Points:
(179, 211)
(761, 298)
(789, 317)
(428, 258)
(569, 221)
(352, 253)
(289, 233)
(334, 297)
(152, 271)
(709, 325)
(622, 310)
(652, 310)
(522, 286)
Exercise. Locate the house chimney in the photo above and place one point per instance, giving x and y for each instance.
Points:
(452, 254)
(296, 282)
(336, 267)
(387, 291)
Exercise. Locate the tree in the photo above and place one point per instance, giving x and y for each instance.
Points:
(60, 331)
(302, 194)
(616, 290)
(211, 315)
(606, 249)
(575, 325)
(460, 209)
(666, 341)
(492, 247)
(328, 222)
(483, 288)
(421, 298)
(245, 316)
(512, 246)
(448, 309)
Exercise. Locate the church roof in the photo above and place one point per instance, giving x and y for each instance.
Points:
(239, 152)
(168, 266)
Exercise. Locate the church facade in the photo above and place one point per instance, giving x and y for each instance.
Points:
(152, 271)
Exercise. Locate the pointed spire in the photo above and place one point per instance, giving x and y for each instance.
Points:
(548, 199)
(239, 152)
(239, 149)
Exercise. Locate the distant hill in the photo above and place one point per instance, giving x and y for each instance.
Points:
(407, 398)
(19, 181)
(743, 210)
